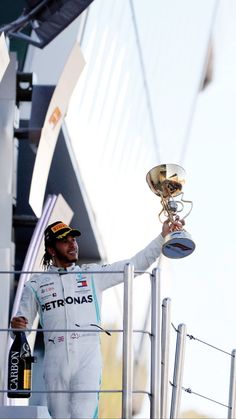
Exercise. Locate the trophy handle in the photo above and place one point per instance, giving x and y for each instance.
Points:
(188, 202)
(171, 212)
(159, 215)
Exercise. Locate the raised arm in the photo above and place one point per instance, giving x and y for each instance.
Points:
(141, 260)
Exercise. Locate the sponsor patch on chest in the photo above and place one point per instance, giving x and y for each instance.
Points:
(81, 280)
(50, 305)
(82, 283)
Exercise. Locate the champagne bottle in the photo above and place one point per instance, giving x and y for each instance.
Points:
(19, 367)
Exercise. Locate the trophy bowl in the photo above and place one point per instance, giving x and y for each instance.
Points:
(166, 181)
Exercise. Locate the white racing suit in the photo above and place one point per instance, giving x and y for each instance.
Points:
(72, 301)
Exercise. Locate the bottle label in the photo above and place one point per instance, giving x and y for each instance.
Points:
(19, 368)
(27, 380)
(14, 370)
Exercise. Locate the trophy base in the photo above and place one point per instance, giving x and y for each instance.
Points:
(178, 244)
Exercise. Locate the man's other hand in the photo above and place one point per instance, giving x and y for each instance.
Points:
(19, 322)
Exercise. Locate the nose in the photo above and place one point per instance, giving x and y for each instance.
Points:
(72, 242)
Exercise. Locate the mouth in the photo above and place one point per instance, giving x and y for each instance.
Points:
(73, 253)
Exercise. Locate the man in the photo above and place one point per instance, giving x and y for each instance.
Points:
(68, 299)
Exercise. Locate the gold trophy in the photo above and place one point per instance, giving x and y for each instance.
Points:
(166, 181)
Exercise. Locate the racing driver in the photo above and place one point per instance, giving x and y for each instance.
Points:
(68, 299)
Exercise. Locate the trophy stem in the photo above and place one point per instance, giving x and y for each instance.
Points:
(169, 208)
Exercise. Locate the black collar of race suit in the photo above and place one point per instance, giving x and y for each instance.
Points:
(61, 270)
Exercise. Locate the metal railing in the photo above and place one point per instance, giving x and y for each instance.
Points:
(177, 384)
(160, 345)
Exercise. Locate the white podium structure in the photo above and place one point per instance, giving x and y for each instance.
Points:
(24, 412)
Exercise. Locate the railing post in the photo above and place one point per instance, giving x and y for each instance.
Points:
(232, 388)
(155, 346)
(127, 372)
(165, 344)
(178, 372)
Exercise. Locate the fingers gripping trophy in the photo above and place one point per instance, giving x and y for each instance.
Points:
(166, 181)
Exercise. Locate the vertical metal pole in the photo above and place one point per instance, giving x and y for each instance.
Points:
(178, 372)
(232, 388)
(155, 346)
(165, 344)
(127, 373)
(8, 151)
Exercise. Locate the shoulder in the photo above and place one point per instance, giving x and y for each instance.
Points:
(91, 267)
(35, 281)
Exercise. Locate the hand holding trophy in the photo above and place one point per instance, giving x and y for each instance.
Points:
(166, 181)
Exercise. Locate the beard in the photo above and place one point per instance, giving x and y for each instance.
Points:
(66, 258)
